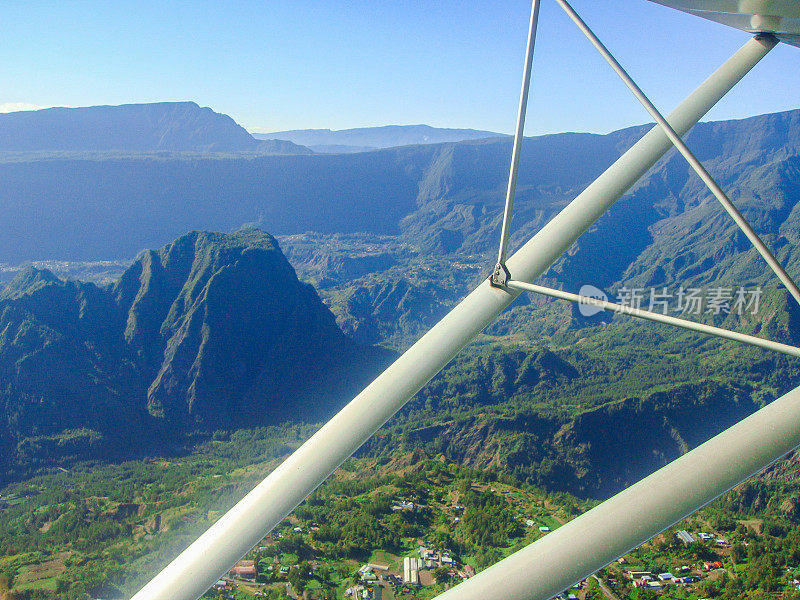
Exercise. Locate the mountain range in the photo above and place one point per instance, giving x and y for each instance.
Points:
(435, 200)
(391, 239)
(155, 127)
(362, 139)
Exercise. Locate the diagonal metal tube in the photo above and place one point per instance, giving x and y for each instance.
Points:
(242, 527)
(518, 136)
(596, 538)
(696, 165)
(658, 318)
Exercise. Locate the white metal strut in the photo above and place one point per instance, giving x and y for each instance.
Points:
(658, 318)
(500, 274)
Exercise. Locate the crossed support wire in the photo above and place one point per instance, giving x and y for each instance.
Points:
(501, 275)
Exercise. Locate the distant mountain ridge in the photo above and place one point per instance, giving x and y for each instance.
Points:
(442, 198)
(155, 127)
(369, 138)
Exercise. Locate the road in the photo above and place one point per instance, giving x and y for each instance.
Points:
(603, 588)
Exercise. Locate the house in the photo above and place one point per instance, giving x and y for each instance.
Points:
(245, 569)
(469, 571)
(666, 576)
(530, 522)
(654, 585)
(369, 577)
(544, 528)
(712, 565)
(691, 579)
(686, 537)
(705, 536)
(446, 560)
(638, 574)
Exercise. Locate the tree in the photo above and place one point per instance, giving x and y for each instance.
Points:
(441, 575)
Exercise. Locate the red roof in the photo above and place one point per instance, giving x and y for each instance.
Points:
(245, 568)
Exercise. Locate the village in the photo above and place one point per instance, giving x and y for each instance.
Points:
(399, 578)
(411, 530)
(423, 571)
(429, 567)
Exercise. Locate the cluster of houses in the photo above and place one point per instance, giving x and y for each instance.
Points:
(688, 539)
(431, 559)
(365, 592)
(646, 579)
(531, 523)
(371, 590)
(413, 566)
(224, 589)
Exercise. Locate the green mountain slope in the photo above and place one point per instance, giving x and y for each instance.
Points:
(388, 274)
(210, 332)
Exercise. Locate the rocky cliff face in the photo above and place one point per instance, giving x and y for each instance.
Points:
(212, 331)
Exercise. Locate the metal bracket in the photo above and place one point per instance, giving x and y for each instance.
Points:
(500, 276)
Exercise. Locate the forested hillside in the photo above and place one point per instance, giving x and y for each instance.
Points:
(213, 331)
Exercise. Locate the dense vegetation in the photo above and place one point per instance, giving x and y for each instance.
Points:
(96, 528)
(102, 530)
(213, 331)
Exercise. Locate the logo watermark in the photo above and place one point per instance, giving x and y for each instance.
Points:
(719, 300)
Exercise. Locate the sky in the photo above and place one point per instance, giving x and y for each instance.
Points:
(276, 65)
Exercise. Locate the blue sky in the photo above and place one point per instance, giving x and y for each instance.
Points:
(276, 65)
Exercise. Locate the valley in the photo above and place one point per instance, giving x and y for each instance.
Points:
(102, 529)
(144, 391)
